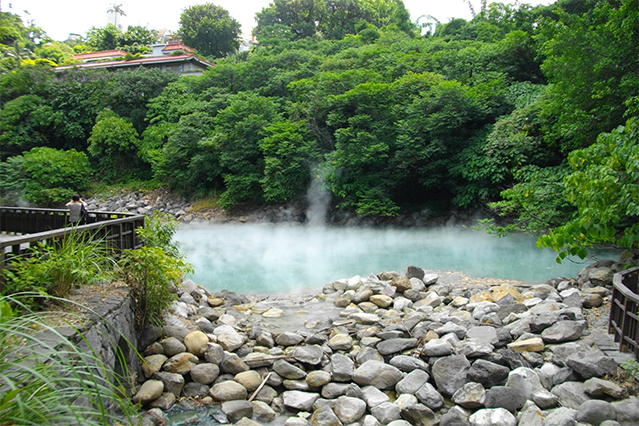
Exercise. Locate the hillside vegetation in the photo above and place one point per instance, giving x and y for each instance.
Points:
(530, 112)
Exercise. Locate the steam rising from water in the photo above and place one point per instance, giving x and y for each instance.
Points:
(267, 259)
(318, 199)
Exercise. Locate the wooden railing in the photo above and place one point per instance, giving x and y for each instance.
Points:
(20, 228)
(624, 311)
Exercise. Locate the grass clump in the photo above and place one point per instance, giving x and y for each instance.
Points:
(55, 268)
(45, 379)
(211, 202)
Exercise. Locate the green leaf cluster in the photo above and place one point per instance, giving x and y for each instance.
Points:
(154, 270)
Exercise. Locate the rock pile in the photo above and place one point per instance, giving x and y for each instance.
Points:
(291, 213)
(405, 350)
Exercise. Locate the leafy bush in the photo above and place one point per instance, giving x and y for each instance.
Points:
(55, 268)
(47, 176)
(113, 145)
(153, 270)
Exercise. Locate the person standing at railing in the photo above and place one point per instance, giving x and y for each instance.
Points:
(77, 210)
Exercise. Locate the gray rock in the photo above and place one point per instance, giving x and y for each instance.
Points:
(373, 396)
(531, 415)
(236, 410)
(450, 373)
(627, 411)
(428, 395)
(472, 395)
(493, 417)
(214, 354)
(551, 374)
(288, 338)
(487, 373)
(595, 412)
(456, 416)
(570, 394)
(437, 347)
(288, 370)
(483, 333)
(473, 348)
(298, 400)
(308, 354)
(173, 382)
(526, 380)
(172, 346)
(393, 346)
(512, 399)
(349, 409)
(195, 390)
(563, 331)
(262, 413)
(205, 373)
(562, 416)
(593, 363)
(419, 415)
(368, 353)
(324, 416)
(408, 363)
(451, 327)
(599, 388)
(232, 364)
(333, 390)
(386, 412)
(228, 391)
(560, 353)
(267, 394)
(165, 402)
(378, 374)
(412, 382)
(342, 368)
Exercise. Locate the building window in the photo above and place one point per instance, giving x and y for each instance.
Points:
(174, 68)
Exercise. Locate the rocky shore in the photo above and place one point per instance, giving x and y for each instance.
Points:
(402, 349)
(164, 201)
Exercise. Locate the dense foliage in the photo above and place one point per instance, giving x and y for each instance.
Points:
(469, 115)
(210, 30)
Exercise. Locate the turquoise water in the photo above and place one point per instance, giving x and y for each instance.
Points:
(268, 259)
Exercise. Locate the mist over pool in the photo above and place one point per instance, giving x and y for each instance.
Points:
(274, 259)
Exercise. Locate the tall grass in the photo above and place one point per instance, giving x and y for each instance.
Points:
(56, 268)
(45, 379)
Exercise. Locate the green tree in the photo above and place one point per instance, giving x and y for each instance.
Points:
(210, 30)
(290, 151)
(591, 63)
(189, 160)
(113, 146)
(104, 38)
(51, 176)
(239, 128)
(27, 122)
(604, 186)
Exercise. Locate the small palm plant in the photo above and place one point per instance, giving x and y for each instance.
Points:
(45, 379)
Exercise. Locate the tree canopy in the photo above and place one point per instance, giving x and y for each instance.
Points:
(210, 30)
